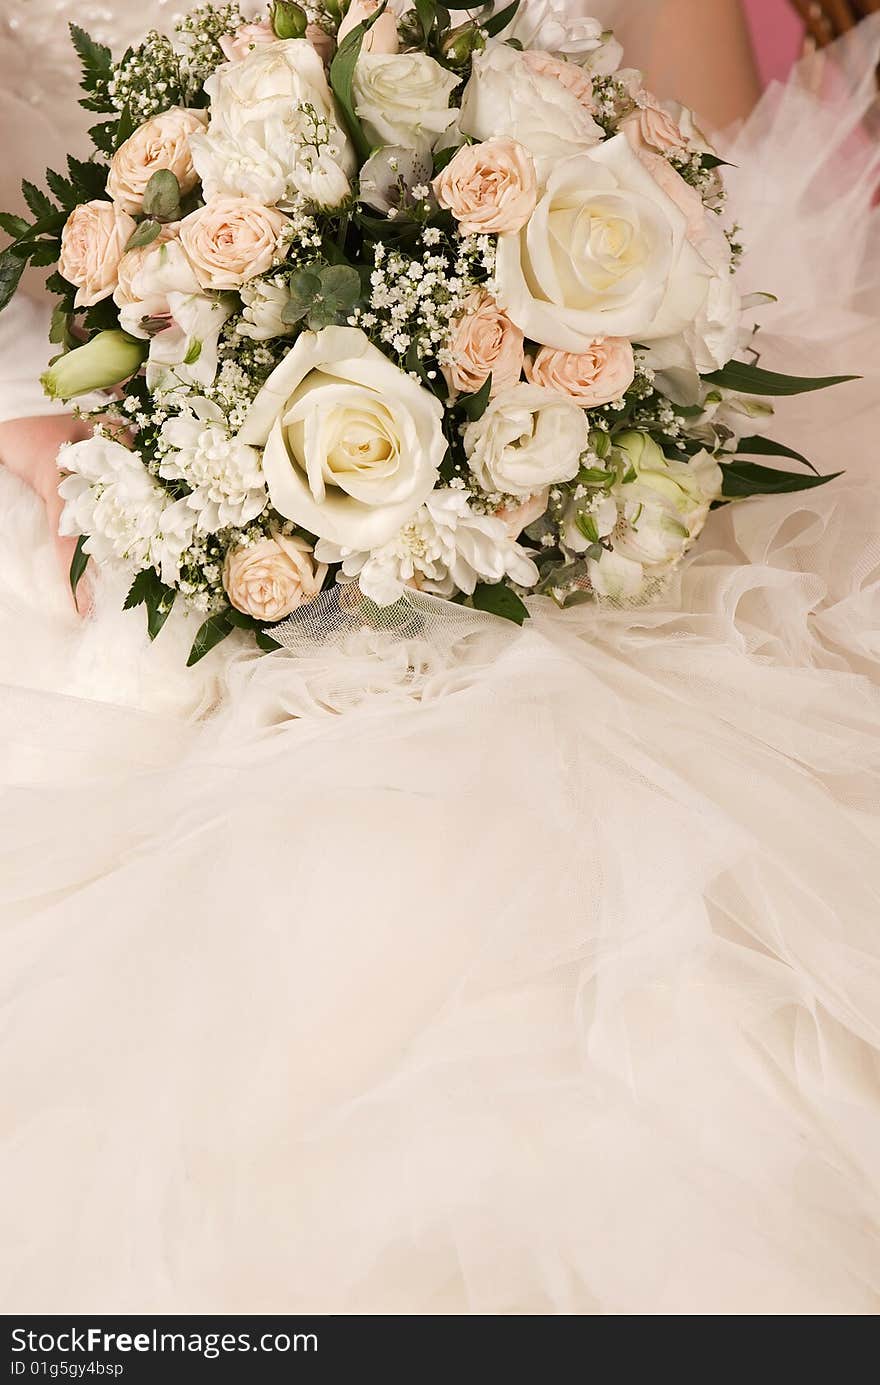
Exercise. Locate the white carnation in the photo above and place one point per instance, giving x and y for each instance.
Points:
(225, 475)
(129, 519)
(445, 547)
(264, 302)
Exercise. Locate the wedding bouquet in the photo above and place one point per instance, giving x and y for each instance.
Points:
(407, 296)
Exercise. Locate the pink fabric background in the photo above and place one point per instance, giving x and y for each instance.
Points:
(777, 36)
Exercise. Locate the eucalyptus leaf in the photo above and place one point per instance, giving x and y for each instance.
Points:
(162, 196)
(340, 284)
(144, 234)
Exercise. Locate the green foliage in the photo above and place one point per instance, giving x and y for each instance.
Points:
(342, 76)
(499, 600)
(751, 379)
(288, 20)
(766, 447)
(475, 405)
(214, 630)
(320, 296)
(162, 196)
(11, 270)
(78, 563)
(145, 234)
(742, 479)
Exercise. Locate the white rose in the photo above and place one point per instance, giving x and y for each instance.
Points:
(403, 98)
(605, 254)
(275, 129)
(527, 439)
(352, 444)
(567, 29)
(505, 96)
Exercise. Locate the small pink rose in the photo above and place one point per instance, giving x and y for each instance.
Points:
(649, 127)
(162, 142)
(231, 240)
(269, 579)
(92, 244)
(490, 188)
(519, 517)
(484, 341)
(591, 378)
(575, 80)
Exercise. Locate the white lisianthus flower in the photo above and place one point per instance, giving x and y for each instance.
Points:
(506, 98)
(527, 439)
(605, 253)
(129, 519)
(351, 444)
(567, 29)
(264, 301)
(224, 474)
(446, 547)
(587, 520)
(275, 133)
(662, 506)
(403, 98)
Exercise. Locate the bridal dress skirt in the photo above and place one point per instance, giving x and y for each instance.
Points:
(475, 970)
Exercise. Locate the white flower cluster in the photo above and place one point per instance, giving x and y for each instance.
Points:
(225, 476)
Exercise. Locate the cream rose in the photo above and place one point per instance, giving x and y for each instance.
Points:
(246, 37)
(649, 127)
(230, 240)
(566, 28)
(271, 578)
(381, 38)
(484, 341)
(275, 129)
(591, 378)
(352, 444)
(92, 244)
(605, 254)
(490, 188)
(527, 439)
(162, 142)
(505, 97)
(403, 98)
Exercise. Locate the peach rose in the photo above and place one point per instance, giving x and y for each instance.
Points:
(322, 42)
(246, 37)
(573, 78)
(92, 244)
(231, 239)
(269, 579)
(490, 188)
(382, 38)
(162, 142)
(483, 341)
(649, 127)
(519, 517)
(591, 378)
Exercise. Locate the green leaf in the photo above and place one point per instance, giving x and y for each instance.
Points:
(341, 285)
(14, 226)
(500, 20)
(713, 161)
(95, 57)
(103, 136)
(59, 327)
(78, 563)
(499, 600)
(44, 252)
(475, 405)
(63, 189)
(342, 76)
(125, 128)
(747, 478)
(162, 196)
(159, 603)
(90, 179)
(11, 270)
(766, 447)
(215, 629)
(751, 379)
(427, 13)
(137, 592)
(445, 156)
(37, 200)
(194, 351)
(145, 234)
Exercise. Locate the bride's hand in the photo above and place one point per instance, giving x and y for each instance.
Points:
(29, 448)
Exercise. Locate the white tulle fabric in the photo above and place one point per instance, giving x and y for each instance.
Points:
(493, 972)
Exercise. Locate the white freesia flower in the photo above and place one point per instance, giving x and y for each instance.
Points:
(605, 253)
(352, 444)
(275, 133)
(505, 97)
(225, 474)
(445, 547)
(403, 98)
(264, 301)
(129, 519)
(567, 29)
(527, 439)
